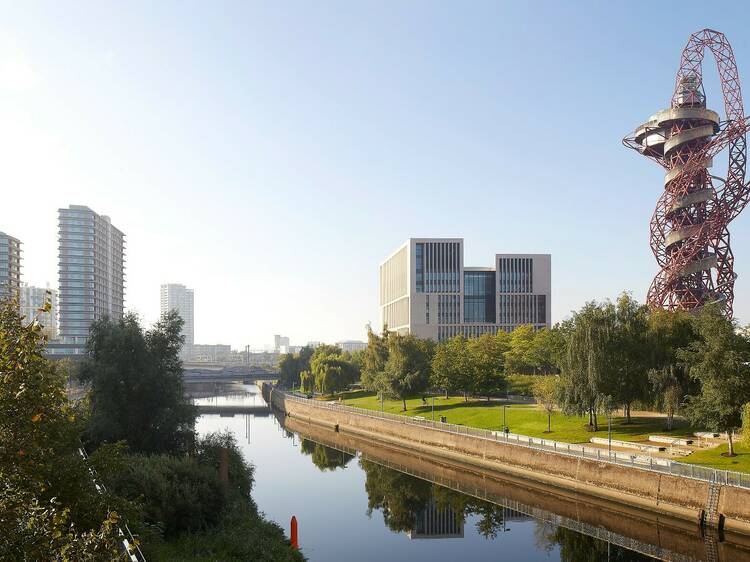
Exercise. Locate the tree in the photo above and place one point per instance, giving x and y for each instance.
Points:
(331, 373)
(546, 393)
(588, 374)
(451, 370)
(486, 355)
(720, 360)
(407, 370)
(543, 352)
(630, 351)
(291, 365)
(306, 382)
(136, 385)
(518, 356)
(49, 507)
(670, 382)
(374, 359)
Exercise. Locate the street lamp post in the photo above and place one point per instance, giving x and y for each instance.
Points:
(505, 425)
(609, 431)
(433, 407)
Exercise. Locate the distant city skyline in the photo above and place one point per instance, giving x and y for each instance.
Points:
(269, 157)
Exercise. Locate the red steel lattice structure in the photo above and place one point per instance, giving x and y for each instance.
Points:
(689, 235)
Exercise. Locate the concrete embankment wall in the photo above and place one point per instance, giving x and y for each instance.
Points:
(673, 535)
(680, 498)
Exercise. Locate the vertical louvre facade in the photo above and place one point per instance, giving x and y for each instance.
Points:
(91, 271)
(425, 290)
(10, 267)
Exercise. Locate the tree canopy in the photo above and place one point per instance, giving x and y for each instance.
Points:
(136, 385)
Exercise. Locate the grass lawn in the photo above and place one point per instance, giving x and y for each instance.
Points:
(521, 418)
(713, 458)
(531, 420)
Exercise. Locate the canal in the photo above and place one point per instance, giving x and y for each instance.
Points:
(353, 503)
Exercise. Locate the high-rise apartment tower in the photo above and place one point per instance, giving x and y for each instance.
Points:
(10, 266)
(92, 272)
(178, 297)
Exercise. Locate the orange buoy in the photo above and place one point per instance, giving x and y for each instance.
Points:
(295, 541)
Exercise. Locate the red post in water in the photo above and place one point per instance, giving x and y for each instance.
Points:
(295, 541)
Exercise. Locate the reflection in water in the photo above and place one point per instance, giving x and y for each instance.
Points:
(422, 509)
(323, 456)
(428, 510)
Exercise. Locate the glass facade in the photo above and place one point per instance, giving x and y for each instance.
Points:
(420, 267)
(479, 297)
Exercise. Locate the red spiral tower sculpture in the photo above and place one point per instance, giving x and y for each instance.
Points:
(689, 235)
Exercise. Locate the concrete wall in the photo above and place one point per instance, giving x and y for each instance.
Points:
(540, 500)
(678, 497)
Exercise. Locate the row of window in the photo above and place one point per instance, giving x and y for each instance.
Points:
(522, 309)
(438, 267)
(515, 275)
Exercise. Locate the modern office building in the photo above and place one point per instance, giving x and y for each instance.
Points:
(33, 300)
(178, 297)
(92, 273)
(10, 267)
(426, 290)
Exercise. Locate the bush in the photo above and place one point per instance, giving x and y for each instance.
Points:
(241, 535)
(178, 494)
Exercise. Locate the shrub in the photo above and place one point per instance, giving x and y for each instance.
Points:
(177, 494)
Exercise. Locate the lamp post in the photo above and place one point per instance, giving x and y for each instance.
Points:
(433, 407)
(609, 431)
(505, 425)
(382, 406)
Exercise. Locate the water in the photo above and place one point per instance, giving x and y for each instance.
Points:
(351, 507)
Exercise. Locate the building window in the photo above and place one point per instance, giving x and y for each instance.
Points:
(420, 267)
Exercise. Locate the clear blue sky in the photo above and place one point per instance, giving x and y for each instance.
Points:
(270, 155)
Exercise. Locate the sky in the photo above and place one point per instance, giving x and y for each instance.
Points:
(271, 155)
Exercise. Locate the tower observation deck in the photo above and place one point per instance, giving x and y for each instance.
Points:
(689, 234)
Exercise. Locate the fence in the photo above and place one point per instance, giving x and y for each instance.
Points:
(129, 544)
(641, 462)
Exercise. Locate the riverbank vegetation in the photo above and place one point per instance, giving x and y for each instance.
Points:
(607, 358)
(160, 479)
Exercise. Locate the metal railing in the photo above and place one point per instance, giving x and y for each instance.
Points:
(641, 462)
(129, 544)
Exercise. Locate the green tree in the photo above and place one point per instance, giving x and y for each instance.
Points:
(49, 507)
(670, 382)
(720, 360)
(331, 372)
(374, 358)
(451, 369)
(518, 357)
(291, 365)
(306, 382)
(588, 375)
(630, 350)
(407, 370)
(486, 354)
(542, 354)
(546, 393)
(136, 385)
